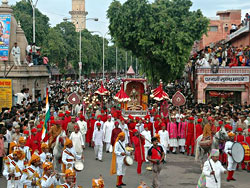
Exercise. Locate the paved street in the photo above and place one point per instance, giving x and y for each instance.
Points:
(180, 171)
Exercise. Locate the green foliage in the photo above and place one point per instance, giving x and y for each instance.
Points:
(161, 33)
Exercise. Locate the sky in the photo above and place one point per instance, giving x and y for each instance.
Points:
(56, 10)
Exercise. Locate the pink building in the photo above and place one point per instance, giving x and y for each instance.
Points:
(229, 84)
(220, 27)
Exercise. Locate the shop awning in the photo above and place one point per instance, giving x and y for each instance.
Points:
(226, 88)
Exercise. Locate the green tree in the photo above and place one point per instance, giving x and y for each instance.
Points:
(161, 34)
(23, 13)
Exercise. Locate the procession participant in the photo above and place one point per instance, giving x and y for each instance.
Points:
(70, 179)
(182, 134)
(172, 130)
(190, 136)
(69, 155)
(54, 132)
(212, 169)
(45, 156)
(240, 123)
(164, 138)
(240, 138)
(147, 134)
(70, 127)
(115, 132)
(117, 164)
(15, 137)
(98, 121)
(124, 127)
(107, 129)
(39, 135)
(32, 173)
(139, 142)
(104, 116)
(198, 128)
(67, 118)
(139, 126)
(248, 141)
(131, 126)
(156, 156)
(77, 140)
(209, 130)
(98, 138)
(25, 149)
(13, 166)
(62, 121)
(49, 178)
(83, 128)
(32, 141)
(90, 130)
(231, 164)
(157, 124)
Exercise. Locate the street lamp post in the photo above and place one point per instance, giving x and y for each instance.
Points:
(116, 59)
(80, 43)
(33, 5)
(103, 50)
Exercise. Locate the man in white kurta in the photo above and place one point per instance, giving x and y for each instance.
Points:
(164, 138)
(124, 127)
(83, 128)
(213, 168)
(98, 138)
(77, 140)
(231, 166)
(108, 126)
(147, 134)
(98, 121)
(16, 54)
(13, 167)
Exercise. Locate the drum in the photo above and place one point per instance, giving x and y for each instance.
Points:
(238, 152)
(247, 152)
(78, 166)
(128, 161)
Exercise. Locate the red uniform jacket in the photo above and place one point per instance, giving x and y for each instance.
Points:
(239, 138)
(157, 126)
(32, 142)
(91, 126)
(198, 130)
(248, 140)
(139, 150)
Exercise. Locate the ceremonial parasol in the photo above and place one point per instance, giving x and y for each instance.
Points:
(122, 96)
(102, 91)
(158, 94)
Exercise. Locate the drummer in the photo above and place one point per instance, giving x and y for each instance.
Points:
(117, 164)
(69, 155)
(228, 150)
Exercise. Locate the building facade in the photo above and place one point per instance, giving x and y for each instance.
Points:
(229, 84)
(78, 14)
(219, 27)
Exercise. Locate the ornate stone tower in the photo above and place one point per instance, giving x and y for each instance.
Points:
(78, 14)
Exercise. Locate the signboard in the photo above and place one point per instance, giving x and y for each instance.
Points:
(5, 93)
(5, 21)
(226, 79)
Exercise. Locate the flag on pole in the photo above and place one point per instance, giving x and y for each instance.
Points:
(47, 116)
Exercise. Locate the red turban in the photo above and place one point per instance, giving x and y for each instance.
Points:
(116, 123)
(39, 126)
(33, 130)
(61, 115)
(220, 122)
(67, 112)
(191, 118)
(199, 120)
(98, 124)
(239, 129)
(135, 130)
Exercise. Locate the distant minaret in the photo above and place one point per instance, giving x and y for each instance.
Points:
(78, 14)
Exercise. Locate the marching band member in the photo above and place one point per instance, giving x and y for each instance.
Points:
(212, 169)
(164, 138)
(248, 141)
(32, 174)
(69, 155)
(77, 140)
(139, 142)
(231, 164)
(98, 138)
(45, 156)
(147, 134)
(117, 164)
(70, 179)
(240, 138)
(14, 164)
(25, 149)
(50, 178)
